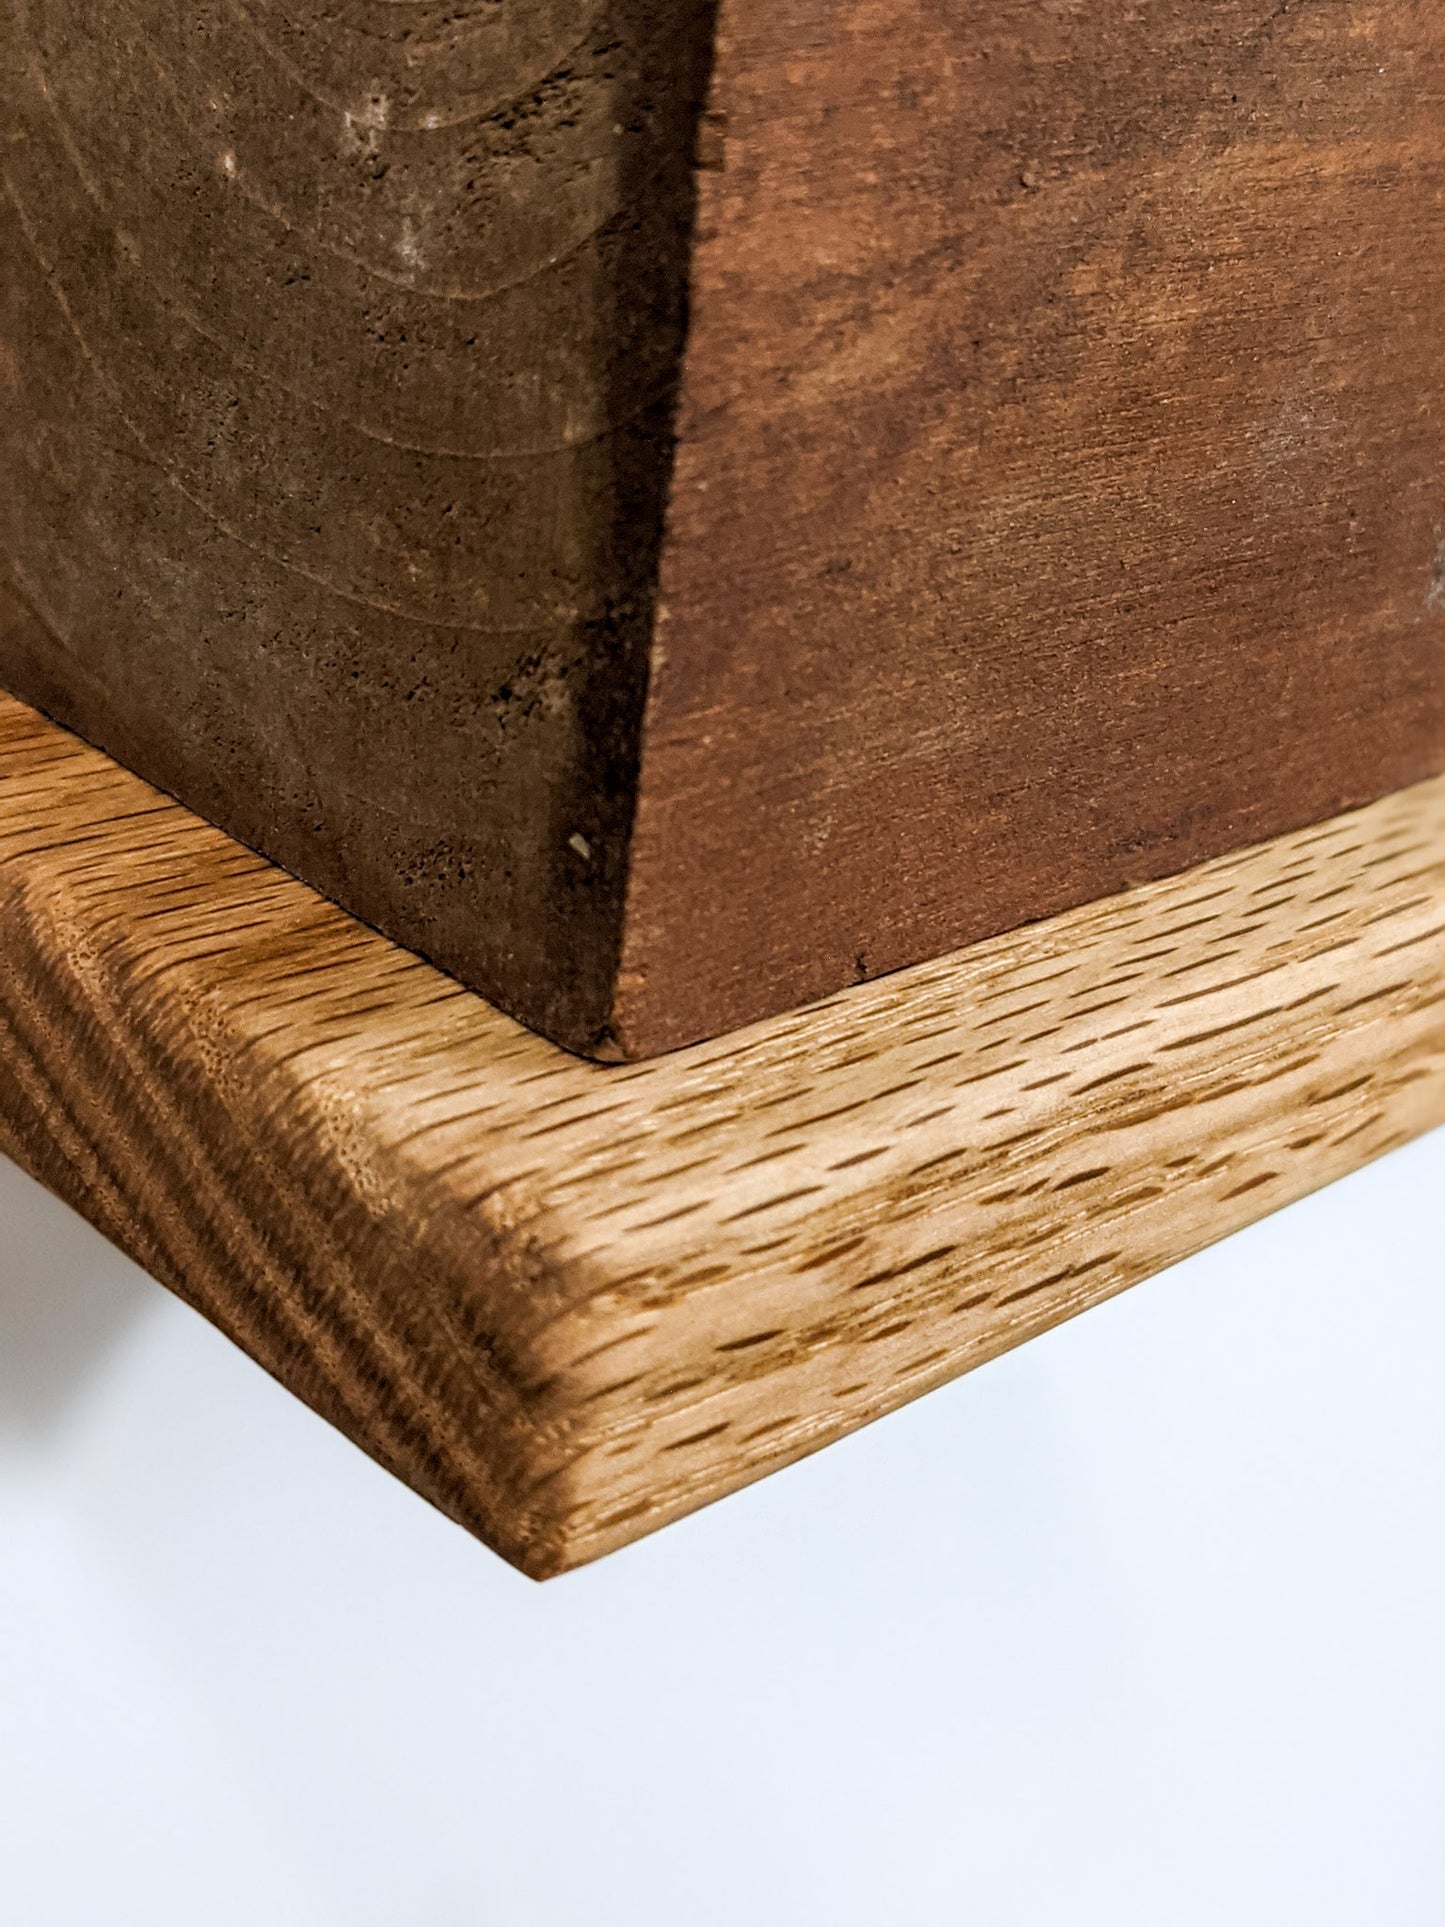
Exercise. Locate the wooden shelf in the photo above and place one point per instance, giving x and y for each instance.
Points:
(568, 1302)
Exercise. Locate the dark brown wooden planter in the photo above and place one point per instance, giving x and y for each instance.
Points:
(670, 512)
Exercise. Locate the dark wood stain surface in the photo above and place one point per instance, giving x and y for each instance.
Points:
(1060, 491)
(337, 355)
(667, 554)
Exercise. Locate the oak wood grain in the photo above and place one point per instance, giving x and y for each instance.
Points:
(568, 1302)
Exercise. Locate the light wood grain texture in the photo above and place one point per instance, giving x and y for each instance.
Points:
(569, 1302)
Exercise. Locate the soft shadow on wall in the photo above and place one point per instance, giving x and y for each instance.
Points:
(66, 1301)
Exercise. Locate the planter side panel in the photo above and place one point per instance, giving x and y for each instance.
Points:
(1058, 501)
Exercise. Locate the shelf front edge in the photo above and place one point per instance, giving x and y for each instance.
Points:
(568, 1302)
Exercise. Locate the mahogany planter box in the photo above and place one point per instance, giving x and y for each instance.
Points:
(671, 511)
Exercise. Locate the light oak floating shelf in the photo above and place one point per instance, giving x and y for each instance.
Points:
(568, 1302)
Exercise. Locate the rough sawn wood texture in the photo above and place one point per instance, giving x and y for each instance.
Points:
(1004, 468)
(1058, 498)
(569, 1302)
(338, 348)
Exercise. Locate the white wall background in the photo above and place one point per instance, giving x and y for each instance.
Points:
(1143, 1624)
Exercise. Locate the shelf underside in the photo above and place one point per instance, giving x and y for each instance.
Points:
(569, 1302)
